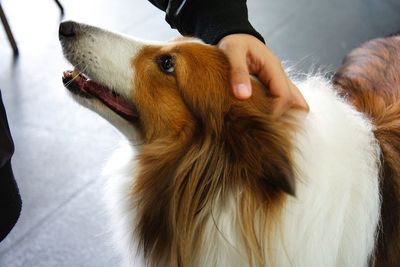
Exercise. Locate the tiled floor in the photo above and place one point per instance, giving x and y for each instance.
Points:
(60, 147)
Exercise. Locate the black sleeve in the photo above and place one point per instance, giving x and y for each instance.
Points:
(6, 142)
(209, 20)
(10, 200)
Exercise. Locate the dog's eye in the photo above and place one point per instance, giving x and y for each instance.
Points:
(166, 64)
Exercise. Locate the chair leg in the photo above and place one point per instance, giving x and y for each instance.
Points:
(60, 6)
(8, 31)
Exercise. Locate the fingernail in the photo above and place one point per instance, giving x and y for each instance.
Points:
(242, 90)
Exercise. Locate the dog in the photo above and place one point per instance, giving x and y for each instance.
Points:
(204, 179)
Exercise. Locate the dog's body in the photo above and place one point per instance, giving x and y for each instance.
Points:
(333, 219)
(210, 183)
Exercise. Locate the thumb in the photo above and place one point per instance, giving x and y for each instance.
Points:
(240, 77)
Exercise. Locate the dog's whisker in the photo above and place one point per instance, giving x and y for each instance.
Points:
(76, 76)
(73, 78)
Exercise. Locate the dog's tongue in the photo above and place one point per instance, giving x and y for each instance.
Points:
(111, 99)
(75, 80)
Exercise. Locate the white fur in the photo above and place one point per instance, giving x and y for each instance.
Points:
(105, 56)
(120, 171)
(333, 219)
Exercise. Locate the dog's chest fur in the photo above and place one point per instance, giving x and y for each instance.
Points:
(332, 221)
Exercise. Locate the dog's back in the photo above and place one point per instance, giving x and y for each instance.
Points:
(370, 79)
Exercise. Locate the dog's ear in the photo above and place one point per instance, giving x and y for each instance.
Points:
(258, 146)
(261, 149)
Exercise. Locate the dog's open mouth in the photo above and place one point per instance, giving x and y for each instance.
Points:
(80, 84)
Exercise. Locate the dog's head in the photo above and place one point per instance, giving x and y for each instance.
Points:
(159, 89)
(198, 139)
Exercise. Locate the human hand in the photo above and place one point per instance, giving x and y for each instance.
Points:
(248, 55)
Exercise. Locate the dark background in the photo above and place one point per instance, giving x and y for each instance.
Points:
(60, 147)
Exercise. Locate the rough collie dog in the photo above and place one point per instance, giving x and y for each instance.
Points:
(205, 179)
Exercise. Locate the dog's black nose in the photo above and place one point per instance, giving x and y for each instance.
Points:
(67, 29)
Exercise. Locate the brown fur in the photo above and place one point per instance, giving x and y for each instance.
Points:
(370, 79)
(201, 144)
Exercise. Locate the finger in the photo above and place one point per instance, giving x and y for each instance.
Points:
(272, 75)
(299, 100)
(277, 82)
(240, 77)
(283, 101)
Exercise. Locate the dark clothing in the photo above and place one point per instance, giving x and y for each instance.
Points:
(10, 200)
(209, 20)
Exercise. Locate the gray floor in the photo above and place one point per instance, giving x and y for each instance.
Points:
(60, 147)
